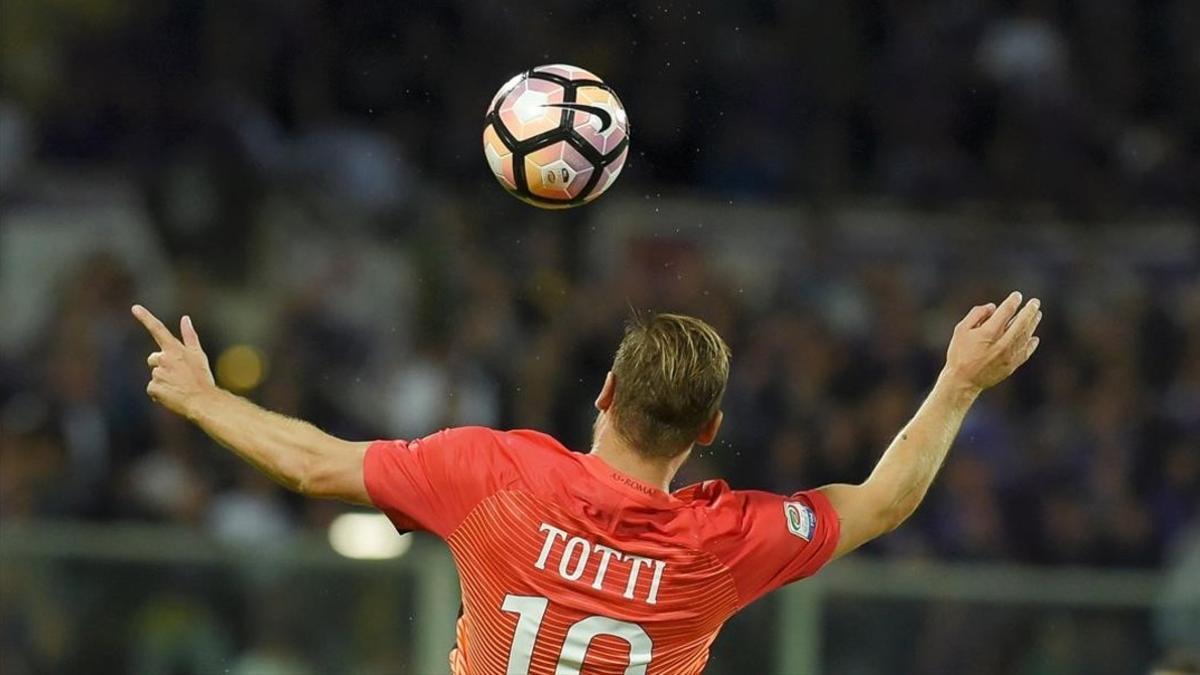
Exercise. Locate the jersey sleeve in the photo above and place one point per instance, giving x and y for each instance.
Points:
(779, 539)
(431, 484)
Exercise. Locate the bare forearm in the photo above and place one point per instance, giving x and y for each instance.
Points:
(988, 345)
(288, 450)
(296, 454)
(911, 462)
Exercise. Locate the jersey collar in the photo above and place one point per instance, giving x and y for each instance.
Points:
(637, 490)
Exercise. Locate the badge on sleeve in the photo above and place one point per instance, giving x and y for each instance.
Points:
(801, 521)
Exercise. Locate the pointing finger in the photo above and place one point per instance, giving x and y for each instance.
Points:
(156, 328)
(188, 331)
(1004, 313)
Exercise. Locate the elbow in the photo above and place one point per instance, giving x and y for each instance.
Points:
(302, 484)
(334, 472)
(313, 479)
(896, 514)
(301, 481)
(891, 520)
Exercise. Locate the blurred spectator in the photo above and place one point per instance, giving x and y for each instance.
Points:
(1177, 664)
(251, 512)
(178, 634)
(168, 482)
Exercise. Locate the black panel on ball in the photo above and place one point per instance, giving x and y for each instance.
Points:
(565, 132)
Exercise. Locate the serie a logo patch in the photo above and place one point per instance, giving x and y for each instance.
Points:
(801, 521)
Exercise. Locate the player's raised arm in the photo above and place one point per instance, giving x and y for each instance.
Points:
(296, 454)
(988, 345)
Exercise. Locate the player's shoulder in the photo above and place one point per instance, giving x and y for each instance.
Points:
(712, 495)
(764, 539)
(533, 439)
(526, 451)
(484, 448)
(527, 447)
(531, 462)
(721, 512)
(517, 439)
(714, 506)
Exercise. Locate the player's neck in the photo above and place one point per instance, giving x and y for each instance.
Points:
(613, 450)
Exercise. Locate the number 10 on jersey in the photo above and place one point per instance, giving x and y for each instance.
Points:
(530, 611)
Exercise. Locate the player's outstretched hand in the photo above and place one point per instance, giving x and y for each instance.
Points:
(179, 373)
(991, 342)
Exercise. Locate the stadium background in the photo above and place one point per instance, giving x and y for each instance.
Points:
(830, 184)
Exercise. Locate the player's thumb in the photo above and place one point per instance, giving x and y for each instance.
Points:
(188, 331)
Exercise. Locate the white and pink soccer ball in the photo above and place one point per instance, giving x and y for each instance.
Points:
(556, 136)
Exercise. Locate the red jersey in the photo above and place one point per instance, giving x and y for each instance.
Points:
(568, 566)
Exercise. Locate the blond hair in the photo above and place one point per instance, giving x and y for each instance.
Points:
(670, 371)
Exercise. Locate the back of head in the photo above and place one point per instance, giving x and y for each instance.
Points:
(670, 371)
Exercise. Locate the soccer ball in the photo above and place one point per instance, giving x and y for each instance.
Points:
(556, 136)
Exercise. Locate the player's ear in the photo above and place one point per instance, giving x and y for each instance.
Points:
(605, 399)
(709, 433)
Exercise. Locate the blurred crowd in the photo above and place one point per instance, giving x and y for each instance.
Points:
(1091, 455)
(305, 180)
(1087, 107)
(345, 136)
